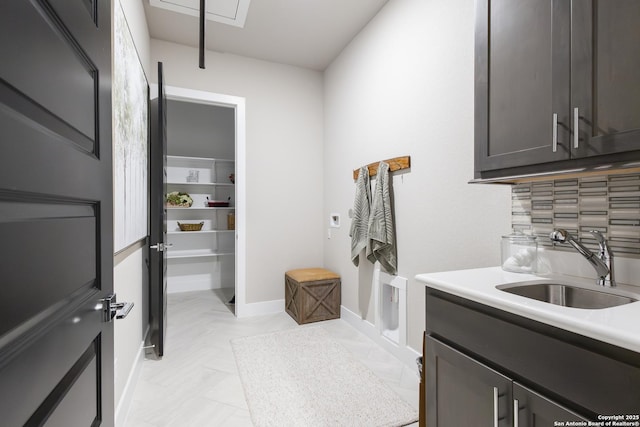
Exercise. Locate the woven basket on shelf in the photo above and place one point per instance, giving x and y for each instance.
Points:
(191, 227)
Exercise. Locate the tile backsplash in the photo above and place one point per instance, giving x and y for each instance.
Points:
(609, 204)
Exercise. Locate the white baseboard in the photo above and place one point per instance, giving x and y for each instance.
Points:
(122, 408)
(405, 354)
(261, 308)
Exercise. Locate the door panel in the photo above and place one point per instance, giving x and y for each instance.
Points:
(81, 396)
(535, 410)
(72, 402)
(56, 352)
(73, 77)
(606, 50)
(518, 72)
(158, 221)
(522, 70)
(73, 228)
(461, 391)
(36, 366)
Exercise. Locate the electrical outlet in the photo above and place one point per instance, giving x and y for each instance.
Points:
(334, 220)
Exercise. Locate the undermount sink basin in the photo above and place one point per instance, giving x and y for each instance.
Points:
(568, 295)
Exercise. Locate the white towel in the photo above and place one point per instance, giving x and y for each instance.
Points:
(382, 242)
(360, 220)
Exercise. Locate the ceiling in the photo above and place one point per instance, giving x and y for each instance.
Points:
(304, 33)
(231, 12)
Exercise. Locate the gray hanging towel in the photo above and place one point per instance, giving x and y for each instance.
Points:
(382, 242)
(360, 220)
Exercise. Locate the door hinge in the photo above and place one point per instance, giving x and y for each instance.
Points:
(111, 308)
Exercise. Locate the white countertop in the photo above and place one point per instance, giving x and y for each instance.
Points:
(619, 325)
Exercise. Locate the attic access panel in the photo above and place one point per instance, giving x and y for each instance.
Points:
(231, 12)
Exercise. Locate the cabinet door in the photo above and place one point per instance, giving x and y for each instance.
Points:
(462, 391)
(522, 82)
(606, 78)
(535, 410)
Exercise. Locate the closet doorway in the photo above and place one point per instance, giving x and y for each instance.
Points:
(206, 160)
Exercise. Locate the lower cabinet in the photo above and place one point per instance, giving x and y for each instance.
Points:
(535, 410)
(462, 391)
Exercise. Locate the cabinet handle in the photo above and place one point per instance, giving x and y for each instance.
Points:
(576, 134)
(495, 407)
(555, 132)
(515, 412)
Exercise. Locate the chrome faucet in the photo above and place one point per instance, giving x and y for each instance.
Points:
(602, 262)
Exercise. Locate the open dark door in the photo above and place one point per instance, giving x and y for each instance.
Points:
(158, 221)
(56, 257)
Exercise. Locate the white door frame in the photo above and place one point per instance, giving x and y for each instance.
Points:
(238, 104)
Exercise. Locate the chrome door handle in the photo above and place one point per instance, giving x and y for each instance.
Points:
(515, 412)
(495, 407)
(161, 247)
(111, 308)
(554, 144)
(123, 309)
(576, 134)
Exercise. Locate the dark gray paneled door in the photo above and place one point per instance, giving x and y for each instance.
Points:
(158, 221)
(605, 84)
(535, 410)
(522, 74)
(463, 392)
(56, 256)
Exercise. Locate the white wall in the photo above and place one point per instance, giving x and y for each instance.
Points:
(404, 86)
(130, 279)
(200, 130)
(130, 273)
(134, 12)
(284, 156)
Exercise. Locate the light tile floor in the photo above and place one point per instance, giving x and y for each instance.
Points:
(196, 384)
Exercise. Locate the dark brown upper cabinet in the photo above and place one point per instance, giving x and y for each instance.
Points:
(557, 85)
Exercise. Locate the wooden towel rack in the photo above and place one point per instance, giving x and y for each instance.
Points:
(395, 164)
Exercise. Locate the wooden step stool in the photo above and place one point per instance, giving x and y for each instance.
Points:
(312, 294)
